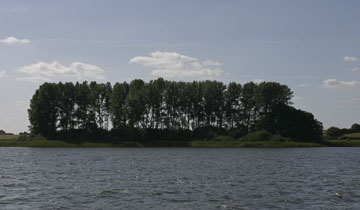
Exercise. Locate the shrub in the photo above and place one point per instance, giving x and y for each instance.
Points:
(262, 135)
(223, 138)
(277, 137)
(236, 133)
(31, 137)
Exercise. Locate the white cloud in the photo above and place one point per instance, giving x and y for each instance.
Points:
(355, 99)
(175, 65)
(211, 63)
(42, 71)
(356, 69)
(256, 81)
(302, 85)
(333, 83)
(350, 59)
(13, 40)
(3, 74)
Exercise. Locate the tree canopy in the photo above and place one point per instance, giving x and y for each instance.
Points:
(58, 109)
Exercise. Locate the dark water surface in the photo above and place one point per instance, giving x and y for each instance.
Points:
(152, 178)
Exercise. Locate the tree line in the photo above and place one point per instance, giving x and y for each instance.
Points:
(162, 109)
(337, 133)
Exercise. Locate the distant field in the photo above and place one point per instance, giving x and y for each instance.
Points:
(352, 135)
(8, 137)
(343, 143)
(8, 140)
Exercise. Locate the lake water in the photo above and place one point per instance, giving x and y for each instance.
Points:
(179, 178)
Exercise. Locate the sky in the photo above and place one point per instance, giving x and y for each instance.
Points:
(311, 46)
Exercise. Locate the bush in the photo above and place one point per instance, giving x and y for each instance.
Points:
(206, 132)
(223, 138)
(336, 133)
(278, 137)
(262, 135)
(355, 128)
(236, 133)
(24, 138)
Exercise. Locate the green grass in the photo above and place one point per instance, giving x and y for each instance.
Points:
(352, 136)
(343, 143)
(52, 143)
(46, 143)
(205, 144)
(37, 141)
(258, 144)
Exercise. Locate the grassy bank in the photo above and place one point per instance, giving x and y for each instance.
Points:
(343, 143)
(15, 141)
(21, 141)
(257, 144)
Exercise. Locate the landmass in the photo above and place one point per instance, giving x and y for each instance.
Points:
(162, 113)
(39, 141)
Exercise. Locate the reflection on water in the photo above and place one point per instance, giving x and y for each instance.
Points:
(149, 178)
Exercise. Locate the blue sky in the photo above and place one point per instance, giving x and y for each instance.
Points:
(312, 46)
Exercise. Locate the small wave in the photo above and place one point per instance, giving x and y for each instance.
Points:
(180, 200)
(108, 192)
(14, 185)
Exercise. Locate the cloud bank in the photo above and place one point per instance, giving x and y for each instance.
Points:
(175, 65)
(42, 71)
(2, 73)
(13, 40)
(350, 59)
(302, 85)
(334, 83)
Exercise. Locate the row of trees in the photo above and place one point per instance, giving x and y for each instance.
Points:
(335, 132)
(167, 105)
(2, 132)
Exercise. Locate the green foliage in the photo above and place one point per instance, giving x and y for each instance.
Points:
(261, 135)
(43, 112)
(232, 107)
(338, 133)
(292, 123)
(159, 109)
(24, 138)
(334, 132)
(355, 127)
(223, 138)
(278, 137)
(236, 133)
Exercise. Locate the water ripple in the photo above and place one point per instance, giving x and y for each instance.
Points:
(105, 178)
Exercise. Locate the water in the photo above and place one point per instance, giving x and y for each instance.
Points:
(185, 178)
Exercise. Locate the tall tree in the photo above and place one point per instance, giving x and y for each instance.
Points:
(232, 105)
(43, 113)
(118, 105)
(82, 101)
(66, 105)
(249, 108)
(136, 103)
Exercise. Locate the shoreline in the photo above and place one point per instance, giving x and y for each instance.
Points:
(178, 144)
